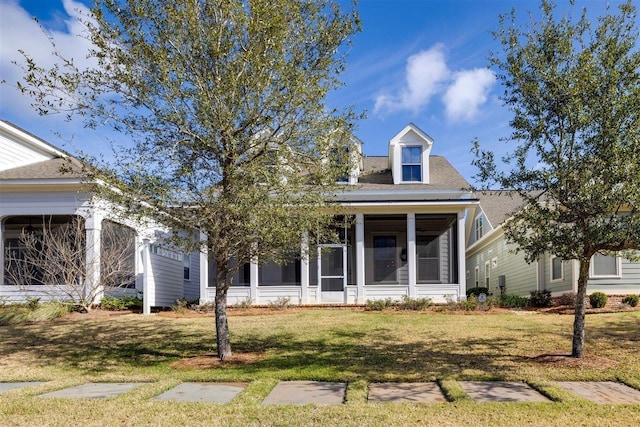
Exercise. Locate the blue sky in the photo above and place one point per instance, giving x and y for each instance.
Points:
(420, 61)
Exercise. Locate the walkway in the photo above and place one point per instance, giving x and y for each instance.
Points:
(329, 393)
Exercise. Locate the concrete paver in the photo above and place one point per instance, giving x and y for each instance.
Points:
(602, 391)
(203, 392)
(93, 390)
(405, 392)
(306, 392)
(11, 386)
(501, 391)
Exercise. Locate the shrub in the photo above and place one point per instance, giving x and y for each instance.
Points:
(50, 311)
(513, 301)
(378, 304)
(181, 306)
(598, 299)
(474, 292)
(568, 298)
(280, 303)
(112, 303)
(469, 304)
(631, 300)
(32, 303)
(13, 314)
(540, 298)
(415, 304)
(241, 305)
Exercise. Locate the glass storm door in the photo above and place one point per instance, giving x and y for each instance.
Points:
(332, 263)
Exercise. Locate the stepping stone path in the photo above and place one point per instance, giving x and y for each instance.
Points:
(306, 392)
(500, 391)
(405, 392)
(602, 392)
(12, 386)
(202, 392)
(93, 390)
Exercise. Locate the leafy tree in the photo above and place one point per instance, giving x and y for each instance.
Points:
(574, 90)
(224, 101)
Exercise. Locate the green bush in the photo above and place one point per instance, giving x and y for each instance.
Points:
(474, 292)
(50, 311)
(540, 298)
(13, 314)
(126, 302)
(415, 304)
(32, 303)
(378, 304)
(631, 300)
(469, 304)
(598, 299)
(513, 301)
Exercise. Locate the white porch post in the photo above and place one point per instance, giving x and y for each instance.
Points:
(319, 275)
(93, 228)
(204, 268)
(146, 288)
(462, 278)
(254, 271)
(411, 253)
(304, 269)
(360, 297)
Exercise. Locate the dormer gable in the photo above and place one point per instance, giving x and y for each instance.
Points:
(409, 154)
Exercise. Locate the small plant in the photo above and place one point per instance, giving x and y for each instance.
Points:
(631, 300)
(474, 292)
(568, 299)
(244, 304)
(513, 301)
(378, 304)
(540, 298)
(112, 303)
(280, 303)
(49, 311)
(415, 304)
(469, 304)
(598, 299)
(32, 303)
(181, 306)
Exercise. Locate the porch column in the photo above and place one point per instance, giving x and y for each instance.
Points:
(462, 278)
(411, 253)
(360, 298)
(92, 285)
(304, 269)
(146, 273)
(254, 272)
(204, 267)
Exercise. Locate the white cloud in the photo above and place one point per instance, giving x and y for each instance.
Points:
(427, 75)
(426, 71)
(469, 90)
(18, 31)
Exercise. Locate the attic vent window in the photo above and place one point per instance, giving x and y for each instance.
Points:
(411, 164)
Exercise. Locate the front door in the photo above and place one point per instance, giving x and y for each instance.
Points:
(332, 277)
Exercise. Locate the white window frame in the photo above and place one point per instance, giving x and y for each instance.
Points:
(561, 278)
(618, 275)
(477, 276)
(186, 267)
(494, 262)
(403, 164)
(487, 273)
(479, 226)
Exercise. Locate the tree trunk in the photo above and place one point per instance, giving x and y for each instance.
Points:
(578, 322)
(223, 340)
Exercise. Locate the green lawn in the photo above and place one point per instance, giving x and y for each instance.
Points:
(330, 345)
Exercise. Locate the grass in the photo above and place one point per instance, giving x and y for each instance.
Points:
(329, 345)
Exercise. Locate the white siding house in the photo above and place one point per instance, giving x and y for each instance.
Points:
(34, 188)
(488, 247)
(408, 237)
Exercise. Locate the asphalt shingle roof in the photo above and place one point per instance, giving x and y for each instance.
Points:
(58, 168)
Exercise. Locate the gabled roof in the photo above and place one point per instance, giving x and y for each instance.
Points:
(499, 205)
(59, 168)
(376, 175)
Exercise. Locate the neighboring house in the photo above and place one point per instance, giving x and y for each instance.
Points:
(407, 237)
(492, 263)
(34, 188)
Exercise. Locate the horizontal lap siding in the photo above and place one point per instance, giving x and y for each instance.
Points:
(192, 286)
(628, 283)
(14, 154)
(558, 286)
(168, 280)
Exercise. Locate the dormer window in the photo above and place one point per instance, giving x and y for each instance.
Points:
(409, 156)
(412, 164)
